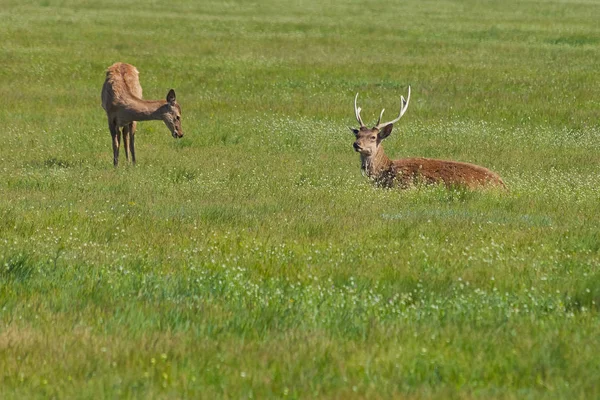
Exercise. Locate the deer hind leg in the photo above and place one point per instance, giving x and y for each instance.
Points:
(116, 141)
(132, 128)
(126, 141)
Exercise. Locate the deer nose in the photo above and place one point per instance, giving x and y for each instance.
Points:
(356, 146)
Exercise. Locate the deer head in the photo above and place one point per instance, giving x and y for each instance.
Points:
(172, 115)
(368, 140)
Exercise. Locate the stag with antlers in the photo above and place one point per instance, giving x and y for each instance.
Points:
(409, 171)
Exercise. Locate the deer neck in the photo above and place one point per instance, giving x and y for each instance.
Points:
(145, 110)
(377, 165)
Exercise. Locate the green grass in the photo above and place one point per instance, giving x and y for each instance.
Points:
(251, 259)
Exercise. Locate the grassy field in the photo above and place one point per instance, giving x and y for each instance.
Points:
(251, 259)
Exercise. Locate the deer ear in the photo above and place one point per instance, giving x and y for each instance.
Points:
(171, 96)
(386, 131)
(355, 131)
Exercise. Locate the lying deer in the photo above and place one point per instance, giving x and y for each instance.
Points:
(408, 171)
(122, 101)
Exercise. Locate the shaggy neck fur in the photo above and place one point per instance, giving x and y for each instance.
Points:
(376, 166)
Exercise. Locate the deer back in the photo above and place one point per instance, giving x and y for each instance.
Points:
(408, 171)
(122, 83)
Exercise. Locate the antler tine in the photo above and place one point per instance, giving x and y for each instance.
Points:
(403, 108)
(357, 112)
(380, 115)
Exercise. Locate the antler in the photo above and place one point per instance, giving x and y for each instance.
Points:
(357, 112)
(403, 107)
(380, 115)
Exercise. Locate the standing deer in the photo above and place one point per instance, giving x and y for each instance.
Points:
(122, 101)
(408, 171)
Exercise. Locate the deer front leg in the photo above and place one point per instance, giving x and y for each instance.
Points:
(116, 140)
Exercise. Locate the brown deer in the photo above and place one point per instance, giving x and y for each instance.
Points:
(122, 101)
(409, 171)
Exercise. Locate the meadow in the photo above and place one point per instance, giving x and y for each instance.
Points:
(250, 259)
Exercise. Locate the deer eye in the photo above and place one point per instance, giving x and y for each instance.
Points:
(177, 118)
(373, 137)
